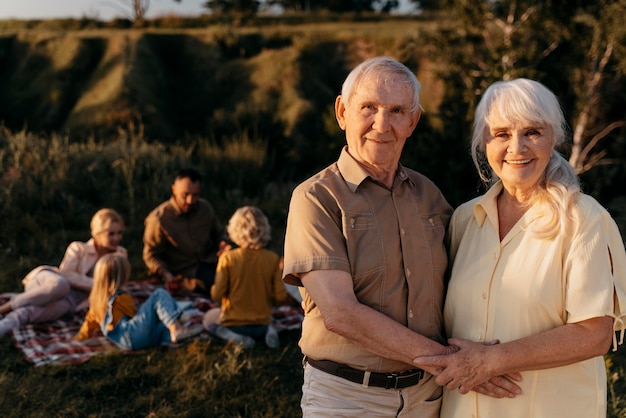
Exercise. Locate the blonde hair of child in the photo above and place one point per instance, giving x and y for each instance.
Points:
(112, 271)
(249, 228)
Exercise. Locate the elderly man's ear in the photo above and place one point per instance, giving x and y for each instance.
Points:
(340, 108)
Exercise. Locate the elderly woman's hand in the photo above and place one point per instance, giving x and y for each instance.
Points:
(469, 369)
(500, 386)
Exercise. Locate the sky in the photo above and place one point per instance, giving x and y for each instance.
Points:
(96, 9)
(100, 9)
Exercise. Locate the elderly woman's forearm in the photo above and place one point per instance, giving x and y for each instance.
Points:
(561, 346)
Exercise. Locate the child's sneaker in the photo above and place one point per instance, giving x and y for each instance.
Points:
(230, 336)
(186, 333)
(272, 340)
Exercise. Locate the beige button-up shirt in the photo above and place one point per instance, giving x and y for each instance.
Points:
(177, 241)
(389, 240)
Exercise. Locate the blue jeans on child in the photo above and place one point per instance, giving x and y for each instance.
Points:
(148, 328)
(255, 331)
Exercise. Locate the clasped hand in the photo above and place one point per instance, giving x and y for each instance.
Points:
(467, 368)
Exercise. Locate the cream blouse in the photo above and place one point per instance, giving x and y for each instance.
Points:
(524, 285)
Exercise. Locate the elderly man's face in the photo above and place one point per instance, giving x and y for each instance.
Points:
(377, 122)
(185, 193)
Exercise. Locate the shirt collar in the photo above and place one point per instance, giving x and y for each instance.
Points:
(354, 174)
(487, 207)
(176, 208)
(487, 204)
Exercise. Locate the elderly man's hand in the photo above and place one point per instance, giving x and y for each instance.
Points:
(468, 369)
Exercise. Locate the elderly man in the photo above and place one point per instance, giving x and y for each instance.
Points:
(182, 237)
(365, 238)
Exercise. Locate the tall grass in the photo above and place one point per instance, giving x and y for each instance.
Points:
(201, 379)
(51, 186)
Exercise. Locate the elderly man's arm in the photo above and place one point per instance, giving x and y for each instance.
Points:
(332, 291)
(343, 314)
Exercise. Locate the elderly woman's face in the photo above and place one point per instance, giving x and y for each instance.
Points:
(518, 152)
(110, 238)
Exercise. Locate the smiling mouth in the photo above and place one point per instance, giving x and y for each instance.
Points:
(517, 162)
(378, 141)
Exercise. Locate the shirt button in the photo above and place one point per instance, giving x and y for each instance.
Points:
(411, 313)
(402, 232)
(484, 296)
(408, 273)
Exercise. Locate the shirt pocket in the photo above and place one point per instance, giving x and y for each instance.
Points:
(364, 243)
(434, 233)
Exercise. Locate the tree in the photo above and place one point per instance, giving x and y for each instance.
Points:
(424, 5)
(604, 43)
(573, 47)
(340, 6)
(135, 10)
(233, 6)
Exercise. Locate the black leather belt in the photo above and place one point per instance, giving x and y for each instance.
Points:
(398, 380)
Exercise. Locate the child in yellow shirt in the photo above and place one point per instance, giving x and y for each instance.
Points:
(248, 283)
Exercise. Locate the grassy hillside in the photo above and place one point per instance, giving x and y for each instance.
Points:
(175, 81)
(104, 117)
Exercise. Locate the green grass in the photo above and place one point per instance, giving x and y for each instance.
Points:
(51, 186)
(252, 109)
(200, 379)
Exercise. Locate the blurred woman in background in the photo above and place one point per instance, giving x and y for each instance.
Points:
(52, 292)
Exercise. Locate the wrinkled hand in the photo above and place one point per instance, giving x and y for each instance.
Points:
(500, 386)
(433, 369)
(467, 369)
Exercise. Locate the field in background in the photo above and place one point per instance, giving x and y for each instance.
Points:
(104, 117)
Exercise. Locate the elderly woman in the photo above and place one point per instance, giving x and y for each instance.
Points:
(536, 265)
(51, 292)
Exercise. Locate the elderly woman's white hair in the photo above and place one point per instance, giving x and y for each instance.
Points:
(381, 68)
(529, 100)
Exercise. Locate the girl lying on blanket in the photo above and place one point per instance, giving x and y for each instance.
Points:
(113, 311)
(50, 292)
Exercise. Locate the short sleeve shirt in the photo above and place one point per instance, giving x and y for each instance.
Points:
(389, 240)
(522, 286)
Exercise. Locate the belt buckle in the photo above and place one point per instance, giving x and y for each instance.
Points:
(391, 377)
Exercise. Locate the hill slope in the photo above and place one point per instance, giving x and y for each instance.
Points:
(187, 82)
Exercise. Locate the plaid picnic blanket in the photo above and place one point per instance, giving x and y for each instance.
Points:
(53, 342)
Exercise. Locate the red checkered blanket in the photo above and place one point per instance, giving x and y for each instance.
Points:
(53, 342)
